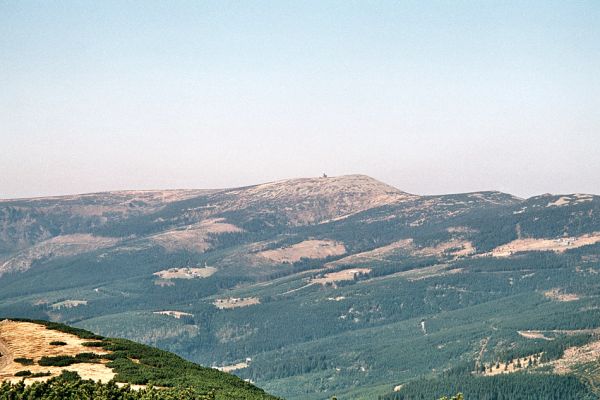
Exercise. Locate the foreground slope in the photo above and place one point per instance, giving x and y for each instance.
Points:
(330, 286)
(37, 351)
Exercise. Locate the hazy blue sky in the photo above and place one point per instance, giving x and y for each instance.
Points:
(431, 97)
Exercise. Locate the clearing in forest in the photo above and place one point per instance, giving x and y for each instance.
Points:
(558, 294)
(185, 273)
(345, 275)
(234, 302)
(311, 249)
(453, 248)
(558, 245)
(174, 314)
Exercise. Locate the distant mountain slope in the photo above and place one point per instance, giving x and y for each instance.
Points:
(313, 200)
(24, 222)
(315, 287)
(36, 351)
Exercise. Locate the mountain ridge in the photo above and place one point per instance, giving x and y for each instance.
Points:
(320, 286)
(174, 191)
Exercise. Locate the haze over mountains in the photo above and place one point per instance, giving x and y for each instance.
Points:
(322, 286)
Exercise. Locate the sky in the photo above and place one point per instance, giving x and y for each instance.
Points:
(428, 96)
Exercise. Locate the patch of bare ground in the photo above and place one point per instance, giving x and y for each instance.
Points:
(174, 314)
(235, 302)
(233, 367)
(558, 294)
(69, 304)
(454, 247)
(558, 245)
(185, 273)
(59, 246)
(345, 275)
(32, 341)
(577, 198)
(312, 249)
(577, 355)
(534, 335)
(194, 237)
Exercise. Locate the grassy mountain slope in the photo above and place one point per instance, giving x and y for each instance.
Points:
(125, 361)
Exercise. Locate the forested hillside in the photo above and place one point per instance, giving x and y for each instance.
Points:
(318, 287)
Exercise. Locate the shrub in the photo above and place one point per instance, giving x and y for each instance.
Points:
(40, 374)
(58, 361)
(64, 361)
(23, 373)
(70, 376)
(86, 357)
(24, 361)
(94, 344)
(58, 343)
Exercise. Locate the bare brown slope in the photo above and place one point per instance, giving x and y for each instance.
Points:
(313, 200)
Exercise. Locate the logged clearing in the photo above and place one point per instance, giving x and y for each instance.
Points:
(534, 335)
(537, 334)
(185, 273)
(558, 295)
(194, 237)
(233, 367)
(377, 254)
(30, 340)
(59, 246)
(577, 355)
(312, 249)
(69, 304)
(453, 247)
(235, 302)
(557, 245)
(345, 275)
(175, 314)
